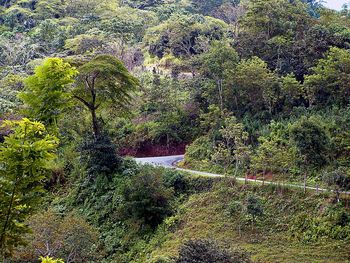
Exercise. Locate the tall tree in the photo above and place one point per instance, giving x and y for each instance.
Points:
(47, 91)
(25, 156)
(255, 87)
(104, 81)
(216, 64)
(312, 142)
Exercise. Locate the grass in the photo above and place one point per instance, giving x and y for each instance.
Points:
(205, 215)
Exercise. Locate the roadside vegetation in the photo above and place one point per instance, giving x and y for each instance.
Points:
(255, 89)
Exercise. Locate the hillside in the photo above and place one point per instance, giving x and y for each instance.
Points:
(255, 89)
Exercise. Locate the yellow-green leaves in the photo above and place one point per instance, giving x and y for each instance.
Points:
(47, 93)
(25, 156)
(50, 260)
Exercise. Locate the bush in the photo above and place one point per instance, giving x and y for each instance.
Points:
(332, 223)
(208, 251)
(254, 207)
(146, 197)
(176, 180)
(100, 155)
(338, 180)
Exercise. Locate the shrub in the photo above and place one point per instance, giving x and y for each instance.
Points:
(338, 180)
(208, 251)
(254, 207)
(100, 155)
(146, 197)
(176, 180)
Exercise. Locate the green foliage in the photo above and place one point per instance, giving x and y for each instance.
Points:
(104, 81)
(235, 207)
(51, 35)
(146, 198)
(100, 156)
(69, 237)
(254, 207)
(233, 147)
(177, 181)
(280, 67)
(334, 223)
(217, 64)
(47, 91)
(84, 43)
(184, 36)
(312, 141)
(207, 251)
(329, 81)
(25, 156)
(292, 91)
(338, 180)
(257, 86)
(144, 4)
(9, 88)
(275, 153)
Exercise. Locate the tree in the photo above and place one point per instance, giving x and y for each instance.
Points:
(231, 13)
(219, 61)
(46, 9)
(255, 87)
(292, 91)
(17, 50)
(233, 147)
(100, 155)
(184, 36)
(275, 152)
(144, 4)
(206, 7)
(25, 156)
(338, 180)
(70, 238)
(330, 79)
(312, 142)
(314, 6)
(10, 85)
(47, 92)
(102, 82)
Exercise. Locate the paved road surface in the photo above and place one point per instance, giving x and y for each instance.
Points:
(166, 161)
(171, 161)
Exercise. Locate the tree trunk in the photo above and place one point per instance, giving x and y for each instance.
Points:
(3, 234)
(304, 183)
(219, 84)
(95, 125)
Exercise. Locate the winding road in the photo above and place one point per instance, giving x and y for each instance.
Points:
(165, 161)
(171, 161)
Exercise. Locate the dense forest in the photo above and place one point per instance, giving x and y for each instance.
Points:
(254, 89)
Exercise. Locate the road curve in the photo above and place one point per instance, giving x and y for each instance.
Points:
(164, 161)
(171, 161)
